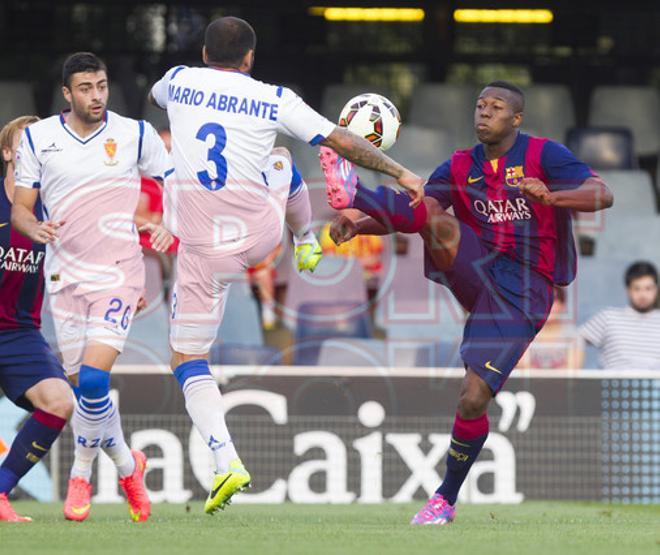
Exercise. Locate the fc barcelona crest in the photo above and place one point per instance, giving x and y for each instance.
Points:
(111, 150)
(514, 175)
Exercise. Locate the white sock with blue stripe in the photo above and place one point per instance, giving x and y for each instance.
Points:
(204, 405)
(94, 424)
(88, 420)
(114, 445)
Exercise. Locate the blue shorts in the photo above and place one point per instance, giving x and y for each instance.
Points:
(25, 360)
(508, 304)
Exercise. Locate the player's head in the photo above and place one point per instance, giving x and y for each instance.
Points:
(499, 111)
(229, 42)
(85, 86)
(642, 285)
(10, 136)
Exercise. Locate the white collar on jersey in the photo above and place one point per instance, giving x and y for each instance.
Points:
(75, 135)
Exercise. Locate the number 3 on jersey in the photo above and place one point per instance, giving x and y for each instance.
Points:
(214, 155)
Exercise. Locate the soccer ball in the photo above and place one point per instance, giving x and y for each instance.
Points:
(373, 117)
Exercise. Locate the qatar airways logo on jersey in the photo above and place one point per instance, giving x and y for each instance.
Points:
(15, 259)
(506, 210)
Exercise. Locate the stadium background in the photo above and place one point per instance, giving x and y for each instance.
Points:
(369, 356)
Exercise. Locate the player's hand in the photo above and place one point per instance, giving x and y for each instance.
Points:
(308, 252)
(342, 229)
(44, 232)
(141, 304)
(535, 190)
(160, 238)
(414, 185)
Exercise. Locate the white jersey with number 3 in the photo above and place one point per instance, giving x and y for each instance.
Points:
(224, 125)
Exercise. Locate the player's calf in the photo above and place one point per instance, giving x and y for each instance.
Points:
(32, 442)
(474, 397)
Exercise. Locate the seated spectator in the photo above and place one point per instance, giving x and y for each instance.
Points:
(558, 344)
(629, 338)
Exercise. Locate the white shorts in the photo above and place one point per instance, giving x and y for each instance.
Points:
(203, 279)
(83, 316)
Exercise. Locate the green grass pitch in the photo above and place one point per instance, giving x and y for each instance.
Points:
(536, 528)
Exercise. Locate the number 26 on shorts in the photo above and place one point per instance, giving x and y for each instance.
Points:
(115, 307)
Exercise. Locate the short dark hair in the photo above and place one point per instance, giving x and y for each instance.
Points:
(228, 40)
(509, 87)
(81, 62)
(641, 269)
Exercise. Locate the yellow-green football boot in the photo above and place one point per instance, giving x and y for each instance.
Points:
(225, 485)
(308, 252)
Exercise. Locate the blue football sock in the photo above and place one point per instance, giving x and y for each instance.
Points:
(391, 208)
(467, 439)
(32, 442)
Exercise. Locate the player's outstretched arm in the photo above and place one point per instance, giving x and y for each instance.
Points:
(350, 223)
(25, 222)
(361, 152)
(592, 195)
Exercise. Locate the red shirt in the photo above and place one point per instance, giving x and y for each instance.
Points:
(153, 192)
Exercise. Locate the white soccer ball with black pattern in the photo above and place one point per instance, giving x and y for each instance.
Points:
(373, 117)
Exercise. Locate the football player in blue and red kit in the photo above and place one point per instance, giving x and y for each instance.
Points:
(507, 244)
(30, 374)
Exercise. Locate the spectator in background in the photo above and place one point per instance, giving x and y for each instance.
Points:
(558, 344)
(629, 338)
(262, 278)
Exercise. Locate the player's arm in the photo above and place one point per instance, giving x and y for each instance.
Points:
(154, 162)
(28, 181)
(151, 100)
(297, 119)
(349, 223)
(590, 196)
(157, 96)
(570, 182)
(25, 222)
(361, 152)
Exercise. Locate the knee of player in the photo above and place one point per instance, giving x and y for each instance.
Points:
(473, 404)
(59, 403)
(282, 151)
(443, 226)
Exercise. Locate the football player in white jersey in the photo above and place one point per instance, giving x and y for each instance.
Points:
(86, 163)
(224, 124)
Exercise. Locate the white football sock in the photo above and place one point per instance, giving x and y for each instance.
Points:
(115, 445)
(88, 424)
(299, 212)
(204, 405)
